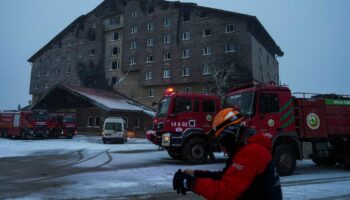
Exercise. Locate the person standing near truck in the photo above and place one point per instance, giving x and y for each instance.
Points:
(249, 173)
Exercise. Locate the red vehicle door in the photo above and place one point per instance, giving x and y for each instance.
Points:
(268, 115)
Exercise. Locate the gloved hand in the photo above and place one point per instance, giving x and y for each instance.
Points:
(182, 182)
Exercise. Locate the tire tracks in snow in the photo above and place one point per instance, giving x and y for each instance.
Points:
(314, 181)
(56, 172)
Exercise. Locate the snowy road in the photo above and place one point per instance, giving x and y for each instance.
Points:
(84, 168)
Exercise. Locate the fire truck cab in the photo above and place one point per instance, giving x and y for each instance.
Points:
(182, 122)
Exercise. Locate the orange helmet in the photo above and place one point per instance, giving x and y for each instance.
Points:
(225, 118)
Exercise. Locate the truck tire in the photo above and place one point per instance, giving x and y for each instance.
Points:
(195, 151)
(285, 160)
(176, 155)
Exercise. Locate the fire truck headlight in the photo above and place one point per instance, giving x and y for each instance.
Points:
(166, 139)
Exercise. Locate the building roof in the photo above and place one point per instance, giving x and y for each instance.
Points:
(106, 100)
(254, 25)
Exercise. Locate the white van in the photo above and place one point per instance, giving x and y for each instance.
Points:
(114, 130)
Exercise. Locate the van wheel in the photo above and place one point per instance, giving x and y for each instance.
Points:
(195, 151)
(104, 141)
(285, 160)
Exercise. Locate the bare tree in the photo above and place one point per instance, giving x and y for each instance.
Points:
(224, 77)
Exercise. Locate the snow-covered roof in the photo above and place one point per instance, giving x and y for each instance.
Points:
(110, 100)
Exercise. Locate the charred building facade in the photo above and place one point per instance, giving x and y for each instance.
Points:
(140, 47)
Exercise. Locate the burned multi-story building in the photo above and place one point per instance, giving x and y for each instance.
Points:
(140, 47)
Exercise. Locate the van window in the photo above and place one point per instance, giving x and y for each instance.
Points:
(182, 105)
(208, 106)
(268, 103)
(113, 126)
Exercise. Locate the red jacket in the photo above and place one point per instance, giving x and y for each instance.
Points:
(249, 162)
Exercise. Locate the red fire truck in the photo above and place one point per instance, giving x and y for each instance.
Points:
(62, 125)
(24, 124)
(310, 126)
(182, 123)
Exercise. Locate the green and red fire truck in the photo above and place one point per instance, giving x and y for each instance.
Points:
(304, 127)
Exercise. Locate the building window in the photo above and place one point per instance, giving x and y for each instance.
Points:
(230, 47)
(132, 61)
(134, 14)
(204, 14)
(115, 51)
(186, 71)
(92, 52)
(267, 60)
(114, 80)
(151, 93)
(115, 36)
(97, 122)
(37, 86)
(38, 75)
(93, 25)
(46, 86)
(207, 51)
(114, 20)
(57, 71)
(48, 73)
(167, 56)
(70, 43)
(206, 32)
(150, 42)
(150, 26)
(68, 70)
(69, 57)
(58, 58)
(166, 73)
(80, 54)
(167, 22)
(133, 45)
(186, 53)
(126, 123)
(188, 89)
(81, 41)
(137, 123)
(167, 39)
(149, 59)
(149, 76)
(91, 121)
(186, 16)
(229, 28)
(133, 29)
(115, 65)
(206, 70)
(186, 36)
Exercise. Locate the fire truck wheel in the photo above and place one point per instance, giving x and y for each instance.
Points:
(285, 160)
(23, 136)
(346, 159)
(195, 151)
(176, 155)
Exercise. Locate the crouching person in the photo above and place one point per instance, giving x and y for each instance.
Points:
(249, 173)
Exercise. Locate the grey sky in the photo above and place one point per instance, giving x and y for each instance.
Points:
(314, 35)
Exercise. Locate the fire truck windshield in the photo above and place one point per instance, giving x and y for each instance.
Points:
(244, 101)
(38, 116)
(163, 107)
(69, 119)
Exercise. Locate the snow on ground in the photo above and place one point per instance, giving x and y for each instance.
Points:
(137, 167)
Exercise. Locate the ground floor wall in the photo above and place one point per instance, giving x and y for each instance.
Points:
(90, 121)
